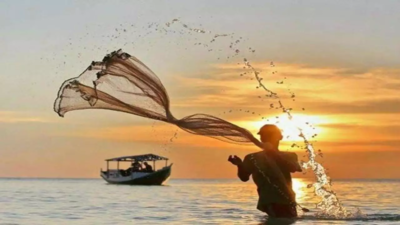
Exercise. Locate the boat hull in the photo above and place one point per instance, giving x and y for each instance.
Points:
(155, 178)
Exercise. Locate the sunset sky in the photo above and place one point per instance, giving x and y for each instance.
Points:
(341, 59)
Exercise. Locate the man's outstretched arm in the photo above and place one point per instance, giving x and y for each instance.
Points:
(293, 163)
(242, 173)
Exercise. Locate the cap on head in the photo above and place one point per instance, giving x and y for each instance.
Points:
(270, 130)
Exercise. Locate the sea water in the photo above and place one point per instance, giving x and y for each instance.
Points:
(179, 201)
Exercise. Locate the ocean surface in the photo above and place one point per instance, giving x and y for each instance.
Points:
(93, 201)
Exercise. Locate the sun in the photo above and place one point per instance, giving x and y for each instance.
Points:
(309, 125)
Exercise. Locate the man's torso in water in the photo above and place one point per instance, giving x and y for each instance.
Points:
(268, 174)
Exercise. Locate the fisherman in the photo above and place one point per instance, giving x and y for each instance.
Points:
(270, 169)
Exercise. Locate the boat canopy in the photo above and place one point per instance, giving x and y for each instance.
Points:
(146, 157)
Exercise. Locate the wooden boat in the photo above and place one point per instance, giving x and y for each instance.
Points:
(135, 176)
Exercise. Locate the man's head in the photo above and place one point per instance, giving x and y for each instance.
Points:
(270, 133)
(145, 163)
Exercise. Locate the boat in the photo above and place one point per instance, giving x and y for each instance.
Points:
(133, 176)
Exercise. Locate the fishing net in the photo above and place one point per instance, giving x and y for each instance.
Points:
(121, 82)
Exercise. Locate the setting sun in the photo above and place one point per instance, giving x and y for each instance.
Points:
(310, 125)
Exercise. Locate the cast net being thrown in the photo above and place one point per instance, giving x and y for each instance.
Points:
(121, 82)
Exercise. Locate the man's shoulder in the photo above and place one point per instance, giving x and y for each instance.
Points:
(248, 161)
(292, 159)
(289, 154)
(253, 155)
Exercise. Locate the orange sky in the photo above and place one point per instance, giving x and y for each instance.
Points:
(349, 89)
(357, 140)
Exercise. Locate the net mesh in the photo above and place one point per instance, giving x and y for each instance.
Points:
(121, 82)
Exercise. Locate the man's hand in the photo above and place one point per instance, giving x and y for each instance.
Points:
(235, 160)
(242, 173)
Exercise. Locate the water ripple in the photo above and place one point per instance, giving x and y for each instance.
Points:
(80, 201)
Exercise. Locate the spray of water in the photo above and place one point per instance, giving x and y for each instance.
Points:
(330, 205)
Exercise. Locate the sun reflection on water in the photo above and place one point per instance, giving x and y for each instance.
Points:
(298, 187)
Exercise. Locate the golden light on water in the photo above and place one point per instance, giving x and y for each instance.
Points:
(299, 186)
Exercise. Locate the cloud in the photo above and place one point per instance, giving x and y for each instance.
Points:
(21, 117)
(389, 105)
(162, 134)
(320, 90)
(363, 143)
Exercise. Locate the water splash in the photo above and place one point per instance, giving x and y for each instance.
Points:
(330, 205)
